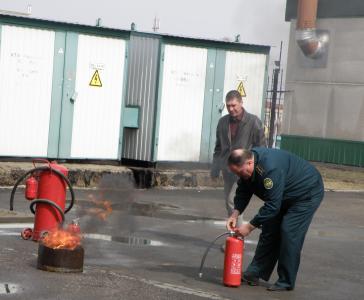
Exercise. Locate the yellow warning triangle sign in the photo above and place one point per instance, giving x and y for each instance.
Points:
(95, 80)
(241, 89)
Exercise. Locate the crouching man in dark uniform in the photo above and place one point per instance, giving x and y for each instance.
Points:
(292, 190)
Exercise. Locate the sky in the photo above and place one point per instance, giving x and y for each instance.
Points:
(257, 21)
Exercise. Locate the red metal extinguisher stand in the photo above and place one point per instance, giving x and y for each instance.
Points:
(233, 261)
(46, 189)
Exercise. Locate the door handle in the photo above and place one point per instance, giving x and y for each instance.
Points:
(221, 107)
(74, 96)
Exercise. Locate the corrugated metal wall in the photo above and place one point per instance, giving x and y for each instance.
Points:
(325, 150)
(141, 91)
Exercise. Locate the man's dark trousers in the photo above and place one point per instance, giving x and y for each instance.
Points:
(282, 239)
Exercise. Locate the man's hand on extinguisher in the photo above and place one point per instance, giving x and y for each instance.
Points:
(244, 230)
(231, 222)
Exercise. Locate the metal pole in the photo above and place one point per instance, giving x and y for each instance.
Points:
(276, 72)
(269, 97)
(266, 115)
(279, 101)
(273, 107)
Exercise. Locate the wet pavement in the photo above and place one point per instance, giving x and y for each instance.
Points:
(150, 246)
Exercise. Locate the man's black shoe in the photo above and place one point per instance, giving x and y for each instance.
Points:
(250, 279)
(277, 288)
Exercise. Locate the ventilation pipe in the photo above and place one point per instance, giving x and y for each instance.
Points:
(310, 42)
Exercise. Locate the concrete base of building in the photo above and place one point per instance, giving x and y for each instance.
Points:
(95, 175)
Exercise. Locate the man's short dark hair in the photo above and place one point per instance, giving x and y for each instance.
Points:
(234, 94)
(239, 156)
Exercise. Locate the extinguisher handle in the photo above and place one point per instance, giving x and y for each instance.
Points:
(42, 160)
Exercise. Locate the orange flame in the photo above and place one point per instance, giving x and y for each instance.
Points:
(102, 210)
(62, 239)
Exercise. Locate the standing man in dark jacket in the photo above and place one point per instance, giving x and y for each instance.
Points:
(238, 129)
(292, 190)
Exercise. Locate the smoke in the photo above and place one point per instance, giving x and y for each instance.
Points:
(108, 207)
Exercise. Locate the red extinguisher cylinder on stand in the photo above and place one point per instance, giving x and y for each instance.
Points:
(51, 187)
(31, 188)
(233, 261)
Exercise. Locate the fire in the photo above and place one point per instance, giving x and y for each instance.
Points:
(62, 239)
(102, 210)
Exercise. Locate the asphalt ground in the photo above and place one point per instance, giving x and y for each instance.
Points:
(151, 245)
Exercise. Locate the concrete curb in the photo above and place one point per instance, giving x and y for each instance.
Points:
(147, 178)
(13, 219)
(201, 179)
(91, 176)
(7, 216)
(80, 175)
(177, 179)
(196, 178)
(344, 191)
(202, 188)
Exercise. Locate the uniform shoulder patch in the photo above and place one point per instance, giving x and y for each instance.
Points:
(268, 183)
(259, 170)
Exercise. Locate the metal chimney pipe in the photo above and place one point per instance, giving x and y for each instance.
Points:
(311, 44)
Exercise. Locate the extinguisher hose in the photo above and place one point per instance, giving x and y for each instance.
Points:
(44, 168)
(207, 251)
(46, 201)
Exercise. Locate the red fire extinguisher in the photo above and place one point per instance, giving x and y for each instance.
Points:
(31, 188)
(233, 261)
(74, 227)
(46, 188)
